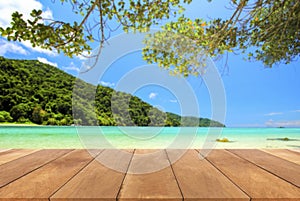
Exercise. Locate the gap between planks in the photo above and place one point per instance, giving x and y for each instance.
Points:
(284, 169)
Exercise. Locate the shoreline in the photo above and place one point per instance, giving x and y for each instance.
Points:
(32, 124)
(16, 124)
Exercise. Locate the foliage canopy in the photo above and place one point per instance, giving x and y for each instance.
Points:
(267, 30)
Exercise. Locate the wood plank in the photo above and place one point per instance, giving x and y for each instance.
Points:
(12, 154)
(295, 150)
(96, 181)
(199, 180)
(285, 154)
(1, 150)
(151, 186)
(22, 166)
(284, 169)
(45, 181)
(256, 182)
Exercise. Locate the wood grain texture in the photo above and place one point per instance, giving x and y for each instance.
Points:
(158, 183)
(2, 150)
(287, 170)
(45, 181)
(12, 154)
(96, 181)
(256, 182)
(285, 154)
(76, 175)
(15, 169)
(199, 180)
(295, 150)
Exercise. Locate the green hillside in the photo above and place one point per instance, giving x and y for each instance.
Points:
(39, 93)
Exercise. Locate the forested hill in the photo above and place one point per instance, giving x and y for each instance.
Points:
(35, 92)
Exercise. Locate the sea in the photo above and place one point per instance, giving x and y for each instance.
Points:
(97, 137)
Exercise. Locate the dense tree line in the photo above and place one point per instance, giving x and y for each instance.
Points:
(39, 93)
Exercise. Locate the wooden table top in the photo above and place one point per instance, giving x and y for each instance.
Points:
(231, 174)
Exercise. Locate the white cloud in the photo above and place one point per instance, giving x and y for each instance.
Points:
(291, 123)
(11, 47)
(173, 101)
(273, 113)
(71, 67)
(38, 49)
(296, 111)
(7, 8)
(47, 14)
(107, 84)
(45, 61)
(152, 95)
(85, 55)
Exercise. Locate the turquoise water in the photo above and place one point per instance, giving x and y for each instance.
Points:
(145, 137)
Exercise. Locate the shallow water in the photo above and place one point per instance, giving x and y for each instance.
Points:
(145, 137)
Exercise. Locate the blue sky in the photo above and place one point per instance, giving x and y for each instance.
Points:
(255, 96)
